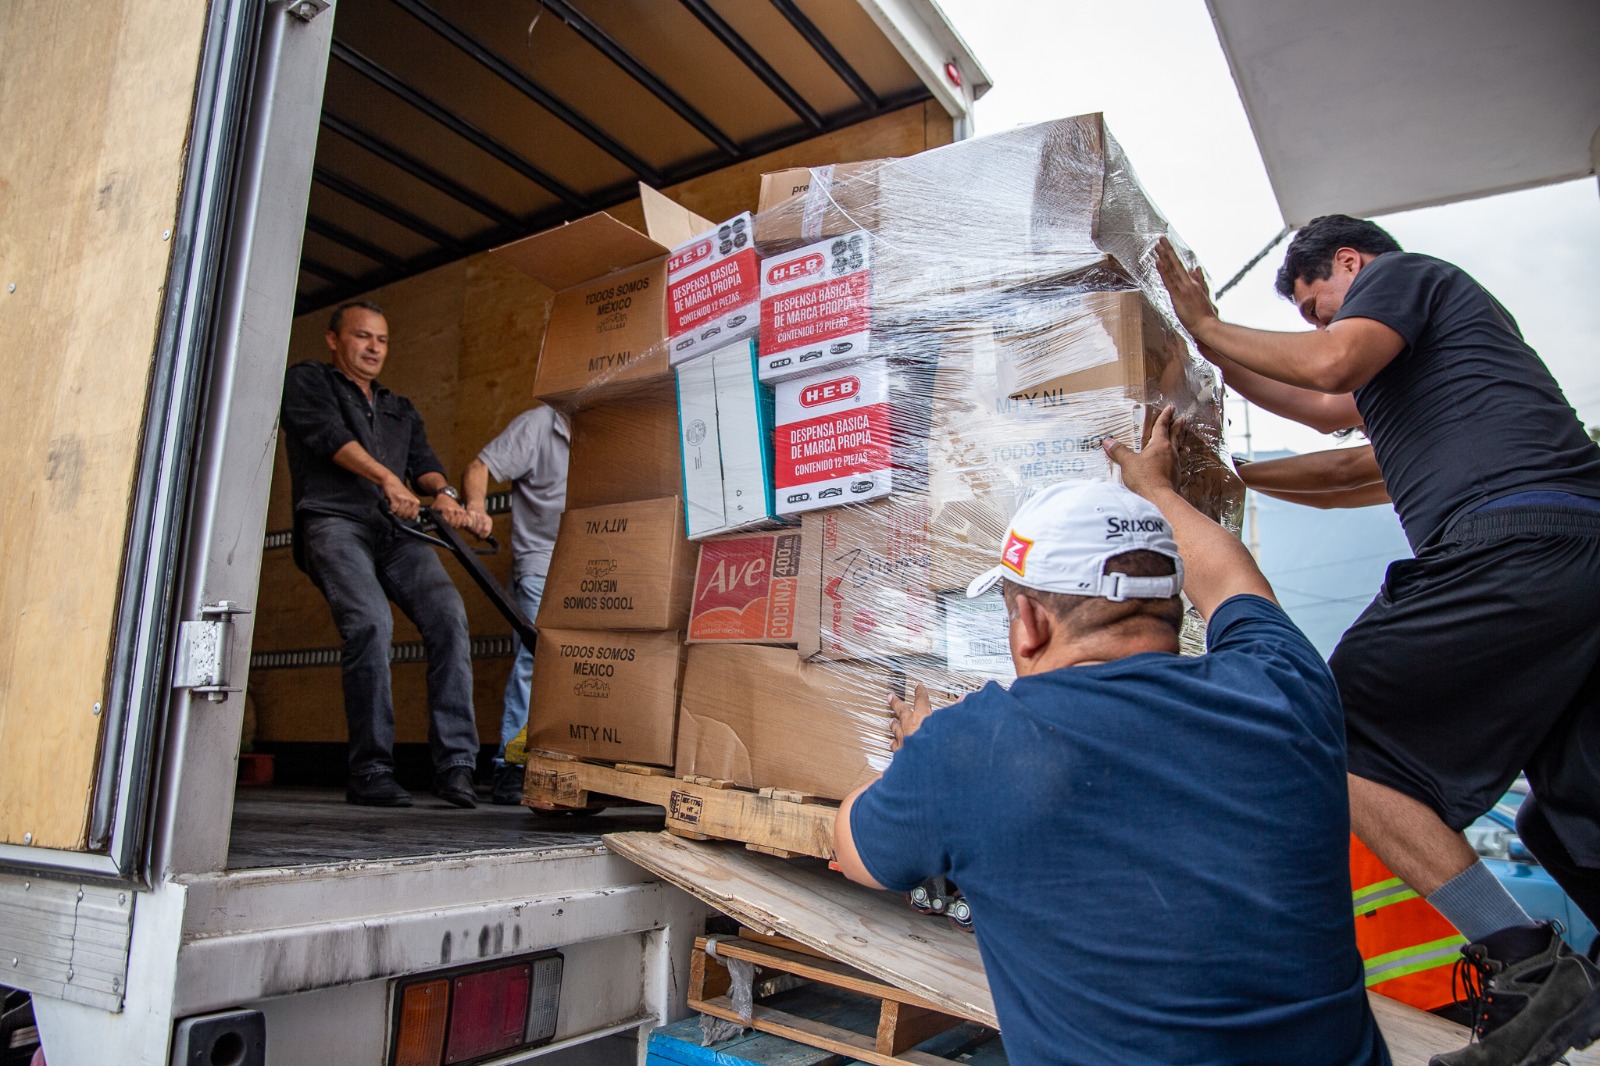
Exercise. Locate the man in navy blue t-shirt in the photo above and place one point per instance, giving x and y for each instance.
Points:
(1480, 657)
(1154, 846)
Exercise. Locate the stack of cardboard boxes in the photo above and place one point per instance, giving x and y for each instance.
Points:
(609, 660)
(870, 374)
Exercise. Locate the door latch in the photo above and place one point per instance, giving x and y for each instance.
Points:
(205, 648)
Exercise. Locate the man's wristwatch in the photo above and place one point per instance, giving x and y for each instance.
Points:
(450, 492)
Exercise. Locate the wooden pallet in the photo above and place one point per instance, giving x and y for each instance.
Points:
(904, 1018)
(770, 820)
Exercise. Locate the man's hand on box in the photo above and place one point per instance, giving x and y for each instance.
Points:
(908, 717)
(1152, 470)
(1191, 296)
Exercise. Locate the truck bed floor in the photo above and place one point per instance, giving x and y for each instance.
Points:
(311, 826)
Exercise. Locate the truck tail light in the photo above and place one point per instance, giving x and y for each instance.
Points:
(469, 1013)
(490, 1012)
(424, 1008)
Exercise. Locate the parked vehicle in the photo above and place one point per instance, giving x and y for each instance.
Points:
(1494, 837)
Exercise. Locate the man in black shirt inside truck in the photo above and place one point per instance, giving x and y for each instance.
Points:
(1480, 657)
(353, 447)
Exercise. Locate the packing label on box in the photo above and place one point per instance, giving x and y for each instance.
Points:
(816, 306)
(746, 590)
(977, 636)
(832, 441)
(713, 290)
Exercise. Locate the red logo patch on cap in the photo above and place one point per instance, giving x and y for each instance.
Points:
(1014, 556)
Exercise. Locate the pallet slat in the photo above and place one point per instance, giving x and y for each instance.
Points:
(773, 821)
(904, 1019)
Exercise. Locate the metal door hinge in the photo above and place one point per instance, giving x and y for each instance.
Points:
(204, 650)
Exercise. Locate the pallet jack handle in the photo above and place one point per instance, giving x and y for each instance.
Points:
(431, 528)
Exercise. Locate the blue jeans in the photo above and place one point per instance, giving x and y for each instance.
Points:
(361, 566)
(528, 591)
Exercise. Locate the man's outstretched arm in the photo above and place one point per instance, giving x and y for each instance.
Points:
(1337, 358)
(1337, 477)
(1216, 564)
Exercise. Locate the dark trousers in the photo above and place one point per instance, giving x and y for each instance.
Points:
(361, 566)
(1580, 883)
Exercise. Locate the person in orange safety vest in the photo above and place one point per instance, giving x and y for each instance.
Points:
(1408, 947)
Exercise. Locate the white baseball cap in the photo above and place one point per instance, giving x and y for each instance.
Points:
(1061, 537)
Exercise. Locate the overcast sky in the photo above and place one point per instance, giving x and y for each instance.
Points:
(1156, 70)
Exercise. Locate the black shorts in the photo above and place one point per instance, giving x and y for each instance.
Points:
(1480, 658)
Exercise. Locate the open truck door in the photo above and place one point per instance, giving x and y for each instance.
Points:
(132, 199)
(123, 122)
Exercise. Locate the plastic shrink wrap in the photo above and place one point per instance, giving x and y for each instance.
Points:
(923, 342)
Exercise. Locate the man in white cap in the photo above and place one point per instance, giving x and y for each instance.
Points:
(1155, 846)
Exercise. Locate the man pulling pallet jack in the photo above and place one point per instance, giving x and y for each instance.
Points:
(1154, 845)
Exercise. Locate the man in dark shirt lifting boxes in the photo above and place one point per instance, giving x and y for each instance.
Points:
(1480, 657)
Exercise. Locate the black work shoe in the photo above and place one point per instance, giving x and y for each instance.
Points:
(455, 786)
(1532, 999)
(508, 785)
(377, 790)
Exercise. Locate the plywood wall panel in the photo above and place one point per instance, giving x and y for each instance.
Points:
(95, 126)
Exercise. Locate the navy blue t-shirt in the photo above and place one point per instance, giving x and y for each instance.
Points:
(1156, 850)
(1466, 413)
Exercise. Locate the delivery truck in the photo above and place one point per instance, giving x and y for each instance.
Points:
(188, 188)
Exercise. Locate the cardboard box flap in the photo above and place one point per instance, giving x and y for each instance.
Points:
(577, 251)
(669, 222)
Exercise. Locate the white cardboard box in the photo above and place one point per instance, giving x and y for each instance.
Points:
(832, 442)
(713, 290)
(816, 306)
(725, 423)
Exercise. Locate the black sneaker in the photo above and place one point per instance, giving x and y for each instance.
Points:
(1532, 999)
(455, 786)
(377, 790)
(507, 790)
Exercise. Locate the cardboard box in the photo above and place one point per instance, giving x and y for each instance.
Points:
(606, 695)
(816, 307)
(746, 589)
(625, 449)
(779, 186)
(804, 204)
(713, 289)
(725, 438)
(621, 566)
(1051, 345)
(988, 452)
(608, 324)
(867, 589)
(833, 440)
(762, 718)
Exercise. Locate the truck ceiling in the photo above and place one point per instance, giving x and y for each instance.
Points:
(1368, 108)
(453, 126)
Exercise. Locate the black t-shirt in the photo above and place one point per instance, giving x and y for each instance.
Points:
(1467, 412)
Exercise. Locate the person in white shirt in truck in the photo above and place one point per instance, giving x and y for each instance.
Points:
(1480, 657)
(1155, 846)
(531, 453)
